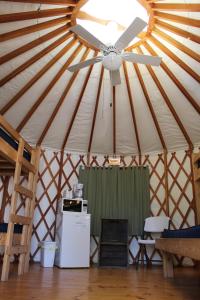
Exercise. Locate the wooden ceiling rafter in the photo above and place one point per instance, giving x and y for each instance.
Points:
(33, 28)
(151, 109)
(53, 2)
(61, 100)
(29, 46)
(168, 102)
(96, 108)
(177, 44)
(190, 7)
(177, 19)
(114, 118)
(78, 104)
(175, 58)
(179, 85)
(186, 34)
(35, 14)
(35, 58)
(130, 97)
(49, 87)
(37, 76)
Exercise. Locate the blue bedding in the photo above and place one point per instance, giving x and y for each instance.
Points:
(4, 227)
(191, 232)
(6, 137)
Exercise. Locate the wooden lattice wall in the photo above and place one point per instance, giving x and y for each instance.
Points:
(171, 186)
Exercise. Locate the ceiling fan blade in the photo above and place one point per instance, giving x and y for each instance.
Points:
(85, 63)
(115, 77)
(142, 59)
(86, 35)
(128, 35)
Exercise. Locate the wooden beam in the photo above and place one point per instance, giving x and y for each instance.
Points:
(78, 104)
(33, 28)
(17, 219)
(96, 108)
(132, 107)
(23, 191)
(12, 132)
(188, 247)
(194, 160)
(114, 119)
(33, 44)
(176, 44)
(27, 165)
(194, 191)
(5, 195)
(35, 58)
(175, 58)
(61, 100)
(148, 101)
(168, 102)
(177, 19)
(37, 77)
(176, 7)
(53, 2)
(35, 14)
(186, 34)
(59, 187)
(166, 184)
(175, 80)
(48, 88)
(8, 152)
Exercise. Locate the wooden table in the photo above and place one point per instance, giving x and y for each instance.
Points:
(189, 247)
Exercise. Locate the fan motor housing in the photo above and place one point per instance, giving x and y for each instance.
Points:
(112, 61)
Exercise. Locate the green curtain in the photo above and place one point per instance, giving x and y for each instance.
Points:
(117, 193)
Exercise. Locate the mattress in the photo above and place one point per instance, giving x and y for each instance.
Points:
(191, 232)
(13, 143)
(4, 227)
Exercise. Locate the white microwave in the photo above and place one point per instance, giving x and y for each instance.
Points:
(74, 205)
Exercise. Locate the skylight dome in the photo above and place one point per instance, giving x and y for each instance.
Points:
(117, 14)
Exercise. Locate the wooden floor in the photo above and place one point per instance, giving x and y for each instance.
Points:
(102, 284)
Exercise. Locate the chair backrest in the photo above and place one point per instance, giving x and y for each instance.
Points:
(156, 224)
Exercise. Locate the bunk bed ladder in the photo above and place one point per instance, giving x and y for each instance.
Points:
(24, 248)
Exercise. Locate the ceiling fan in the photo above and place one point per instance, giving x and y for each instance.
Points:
(112, 56)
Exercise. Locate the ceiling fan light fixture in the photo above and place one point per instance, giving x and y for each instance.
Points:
(112, 62)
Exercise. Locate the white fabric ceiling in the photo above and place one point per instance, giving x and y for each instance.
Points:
(102, 141)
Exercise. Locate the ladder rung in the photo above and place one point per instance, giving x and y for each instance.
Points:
(24, 191)
(20, 219)
(27, 165)
(18, 249)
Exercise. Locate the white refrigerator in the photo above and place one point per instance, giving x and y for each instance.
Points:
(73, 240)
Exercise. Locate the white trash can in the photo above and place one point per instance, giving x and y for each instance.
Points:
(48, 250)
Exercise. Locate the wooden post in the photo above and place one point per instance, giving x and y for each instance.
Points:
(195, 162)
(59, 189)
(5, 194)
(9, 235)
(166, 183)
(168, 270)
(33, 182)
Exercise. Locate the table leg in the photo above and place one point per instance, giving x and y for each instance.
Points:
(168, 270)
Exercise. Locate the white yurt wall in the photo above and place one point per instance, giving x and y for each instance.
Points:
(169, 174)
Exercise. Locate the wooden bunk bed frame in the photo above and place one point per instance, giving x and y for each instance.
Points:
(189, 247)
(14, 162)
